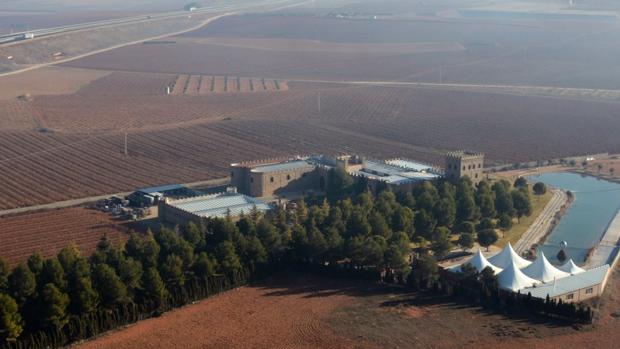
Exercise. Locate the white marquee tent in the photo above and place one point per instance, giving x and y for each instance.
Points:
(571, 268)
(542, 270)
(507, 257)
(479, 262)
(513, 279)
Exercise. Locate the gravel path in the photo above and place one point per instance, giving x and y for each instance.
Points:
(542, 224)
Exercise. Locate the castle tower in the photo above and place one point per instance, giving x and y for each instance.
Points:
(464, 163)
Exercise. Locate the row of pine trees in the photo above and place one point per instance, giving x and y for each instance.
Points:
(351, 229)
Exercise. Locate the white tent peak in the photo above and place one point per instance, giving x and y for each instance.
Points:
(478, 261)
(508, 256)
(542, 270)
(571, 268)
(513, 279)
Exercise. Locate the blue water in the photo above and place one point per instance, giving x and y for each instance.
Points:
(596, 204)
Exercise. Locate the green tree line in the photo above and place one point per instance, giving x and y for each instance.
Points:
(359, 231)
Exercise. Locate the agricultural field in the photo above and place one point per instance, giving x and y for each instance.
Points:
(19, 21)
(67, 142)
(47, 50)
(50, 231)
(71, 146)
(192, 85)
(47, 81)
(548, 53)
(310, 312)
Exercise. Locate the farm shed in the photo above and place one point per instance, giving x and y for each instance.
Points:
(152, 195)
(199, 208)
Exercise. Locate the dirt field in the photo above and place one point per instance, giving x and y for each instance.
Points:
(312, 312)
(609, 168)
(47, 81)
(189, 138)
(274, 315)
(300, 45)
(541, 53)
(48, 232)
(29, 20)
(50, 49)
(58, 147)
(196, 85)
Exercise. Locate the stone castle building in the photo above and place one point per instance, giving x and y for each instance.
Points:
(274, 177)
(464, 163)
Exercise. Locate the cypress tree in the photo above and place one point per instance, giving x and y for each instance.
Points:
(11, 324)
(109, 286)
(153, 287)
(22, 284)
(53, 306)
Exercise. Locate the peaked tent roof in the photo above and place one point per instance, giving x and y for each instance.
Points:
(508, 256)
(543, 271)
(571, 268)
(513, 279)
(479, 262)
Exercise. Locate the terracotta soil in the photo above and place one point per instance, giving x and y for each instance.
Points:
(49, 231)
(301, 311)
(278, 314)
(47, 81)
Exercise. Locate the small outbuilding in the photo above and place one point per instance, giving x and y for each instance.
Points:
(199, 208)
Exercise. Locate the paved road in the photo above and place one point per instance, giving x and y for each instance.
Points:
(608, 247)
(86, 200)
(542, 224)
(273, 6)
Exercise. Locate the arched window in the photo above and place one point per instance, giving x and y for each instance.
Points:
(271, 179)
(288, 177)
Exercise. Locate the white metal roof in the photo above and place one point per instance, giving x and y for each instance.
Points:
(391, 172)
(479, 262)
(219, 205)
(569, 284)
(508, 256)
(513, 279)
(543, 271)
(283, 166)
(410, 165)
(162, 188)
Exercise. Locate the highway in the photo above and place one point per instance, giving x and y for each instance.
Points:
(38, 33)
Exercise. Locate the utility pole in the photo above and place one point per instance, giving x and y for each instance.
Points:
(441, 74)
(126, 153)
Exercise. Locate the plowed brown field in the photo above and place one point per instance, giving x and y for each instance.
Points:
(267, 316)
(50, 231)
(303, 311)
(194, 138)
(197, 85)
